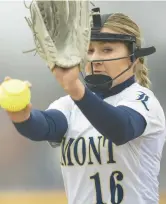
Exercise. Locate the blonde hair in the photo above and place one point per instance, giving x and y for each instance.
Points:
(121, 23)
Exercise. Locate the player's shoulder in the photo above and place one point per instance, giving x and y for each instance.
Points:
(149, 102)
(137, 91)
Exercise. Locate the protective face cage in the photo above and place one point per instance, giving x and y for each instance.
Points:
(103, 83)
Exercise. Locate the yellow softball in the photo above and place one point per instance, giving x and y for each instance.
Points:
(15, 95)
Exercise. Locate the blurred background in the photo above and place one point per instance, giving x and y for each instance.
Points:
(30, 171)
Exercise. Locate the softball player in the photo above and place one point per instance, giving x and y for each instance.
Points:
(111, 130)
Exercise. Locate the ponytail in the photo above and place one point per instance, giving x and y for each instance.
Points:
(141, 73)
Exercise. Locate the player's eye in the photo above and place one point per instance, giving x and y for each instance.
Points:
(107, 50)
(90, 51)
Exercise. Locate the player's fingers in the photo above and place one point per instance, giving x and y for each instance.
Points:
(28, 107)
(7, 78)
(20, 116)
(28, 84)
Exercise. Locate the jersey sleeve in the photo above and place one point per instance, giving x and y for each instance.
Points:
(145, 103)
(63, 104)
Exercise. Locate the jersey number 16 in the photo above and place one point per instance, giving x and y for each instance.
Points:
(116, 190)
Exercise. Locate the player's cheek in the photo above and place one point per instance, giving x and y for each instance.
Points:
(88, 68)
(111, 68)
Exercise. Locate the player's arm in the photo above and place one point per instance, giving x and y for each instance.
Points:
(49, 125)
(120, 124)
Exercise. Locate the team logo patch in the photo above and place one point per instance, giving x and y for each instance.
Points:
(143, 98)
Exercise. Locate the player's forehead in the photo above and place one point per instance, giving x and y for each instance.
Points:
(102, 43)
(97, 43)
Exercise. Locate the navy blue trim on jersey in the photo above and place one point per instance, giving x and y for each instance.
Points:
(49, 125)
(120, 124)
(117, 89)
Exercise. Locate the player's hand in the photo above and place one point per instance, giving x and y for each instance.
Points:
(22, 115)
(66, 77)
(70, 82)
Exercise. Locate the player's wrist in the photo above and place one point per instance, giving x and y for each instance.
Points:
(19, 119)
(76, 90)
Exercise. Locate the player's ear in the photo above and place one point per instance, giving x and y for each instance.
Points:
(136, 62)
